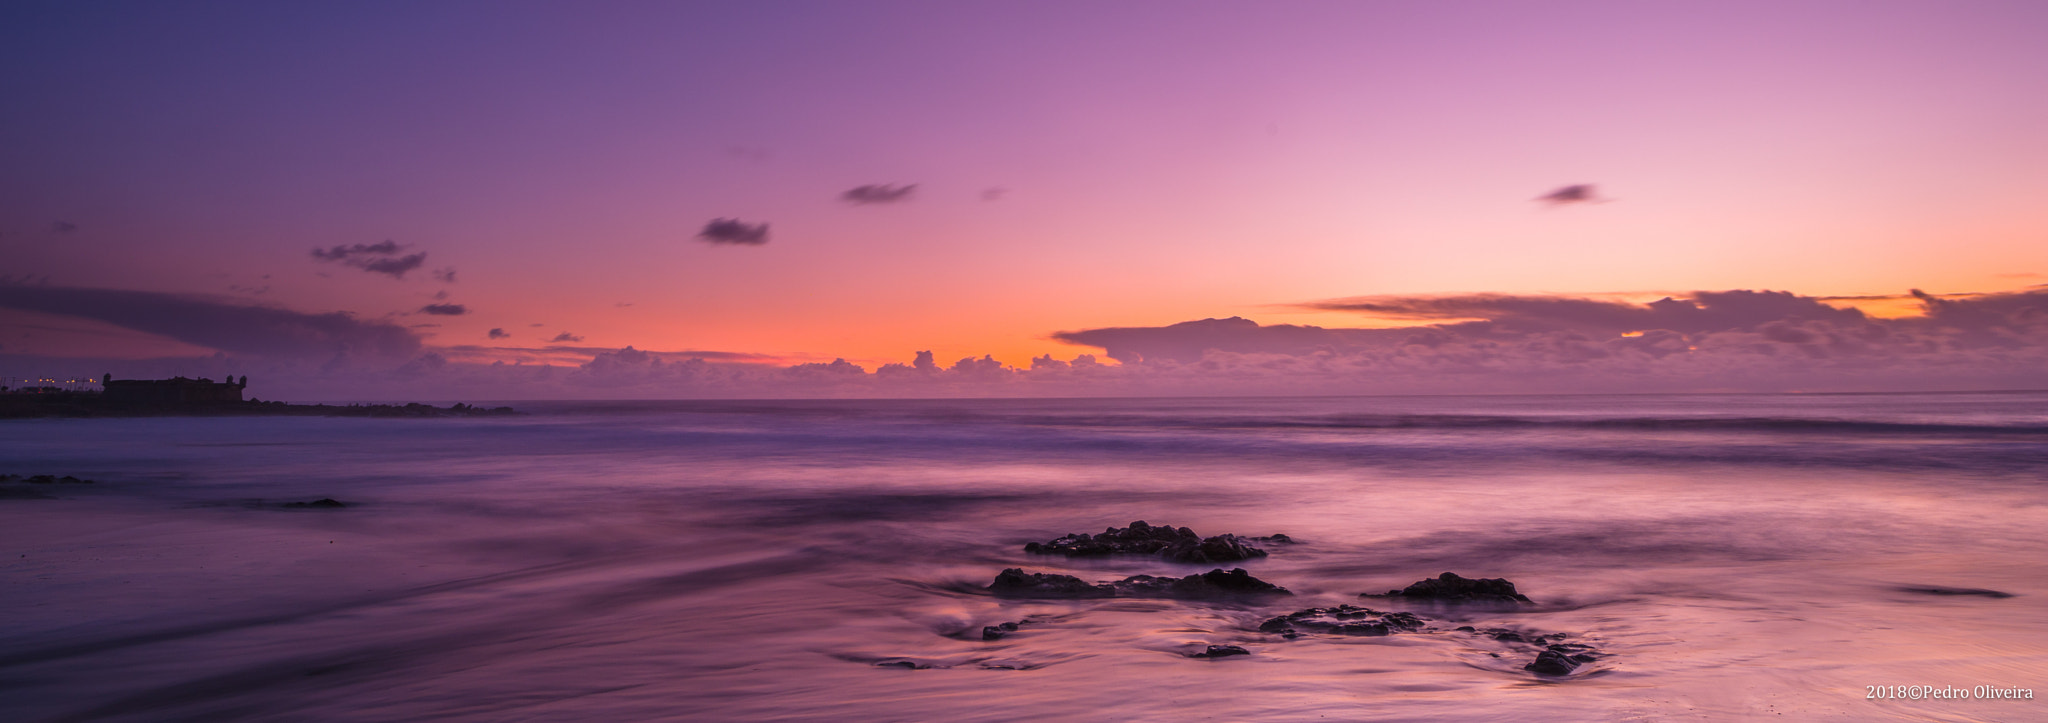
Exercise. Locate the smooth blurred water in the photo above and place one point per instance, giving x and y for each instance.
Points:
(1733, 557)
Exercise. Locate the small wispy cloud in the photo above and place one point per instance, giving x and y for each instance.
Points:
(444, 309)
(566, 337)
(446, 276)
(878, 193)
(1568, 195)
(734, 231)
(499, 334)
(377, 258)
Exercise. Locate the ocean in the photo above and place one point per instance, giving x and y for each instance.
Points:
(1717, 557)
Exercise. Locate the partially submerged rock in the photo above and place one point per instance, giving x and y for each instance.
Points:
(1220, 651)
(45, 479)
(996, 632)
(322, 503)
(1342, 620)
(11, 491)
(1940, 590)
(1554, 656)
(1014, 582)
(1551, 662)
(1178, 544)
(1452, 588)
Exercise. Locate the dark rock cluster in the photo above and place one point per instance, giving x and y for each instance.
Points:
(322, 503)
(1553, 657)
(9, 490)
(996, 632)
(1341, 620)
(1452, 588)
(1015, 582)
(1178, 544)
(45, 479)
(1560, 659)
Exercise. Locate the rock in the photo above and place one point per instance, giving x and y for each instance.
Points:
(1450, 587)
(1342, 620)
(1178, 544)
(322, 503)
(1220, 651)
(1551, 662)
(996, 632)
(1221, 548)
(1214, 583)
(1277, 539)
(1014, 582)
(905, 664)
(1939, 590)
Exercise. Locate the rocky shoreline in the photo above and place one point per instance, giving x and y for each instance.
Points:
(1448, 596)
(81, 405)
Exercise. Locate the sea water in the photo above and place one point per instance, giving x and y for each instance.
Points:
(1728, 557)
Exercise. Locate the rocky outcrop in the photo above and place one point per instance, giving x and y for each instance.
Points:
(1341, 620)
(1178, 544)
(996, 632)
(1220, 651)
(1940, 590)
(45, 479)
(1452, 588)
(1015, 582)
(324, 503)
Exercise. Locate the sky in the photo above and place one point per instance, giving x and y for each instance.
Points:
(364, 199)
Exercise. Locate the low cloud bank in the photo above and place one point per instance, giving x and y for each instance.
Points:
(227, 325)
(1724, 341)
(1706, 341)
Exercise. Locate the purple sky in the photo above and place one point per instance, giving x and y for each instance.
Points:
(760, 185)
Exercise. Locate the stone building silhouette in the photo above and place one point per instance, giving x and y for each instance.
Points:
(170, 392)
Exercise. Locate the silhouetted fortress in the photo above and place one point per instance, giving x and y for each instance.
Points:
(170, 392)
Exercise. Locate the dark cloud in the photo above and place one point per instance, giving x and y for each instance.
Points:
(446, 276)
(499, 334)
(63, 227)
(1738, 340)
(221, 324)
(1702, 311)
(377, 258)
(878, 193)
(396, 267)
(994, 193)
(566, 336)
(1577, 193)
(733, 231)
(344, 253)
(594, 352)
(444, 309)
(1188, 341)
